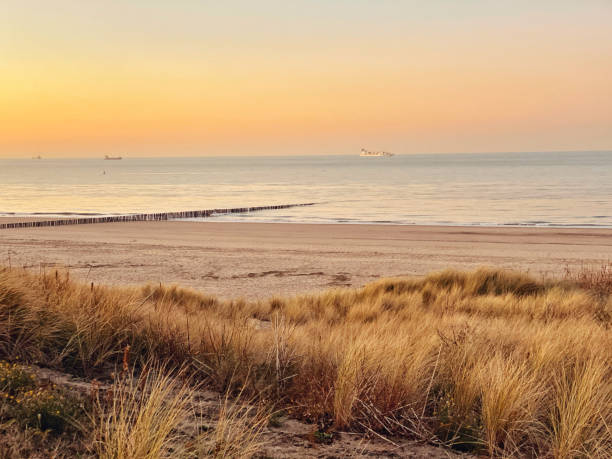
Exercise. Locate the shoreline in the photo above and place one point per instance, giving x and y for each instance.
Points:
(428, 225)
(5, 218)
(260, 260)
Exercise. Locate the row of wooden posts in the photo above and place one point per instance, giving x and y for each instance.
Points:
(145, 217)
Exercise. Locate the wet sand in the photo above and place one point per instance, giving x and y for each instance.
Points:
(256, 260)
(28, 219)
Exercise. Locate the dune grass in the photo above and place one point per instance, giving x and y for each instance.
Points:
(488, 361)
(138, 417)
(237, 431)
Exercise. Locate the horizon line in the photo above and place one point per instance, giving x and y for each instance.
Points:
(137, 156)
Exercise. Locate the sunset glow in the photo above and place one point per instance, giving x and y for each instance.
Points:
(188, 78)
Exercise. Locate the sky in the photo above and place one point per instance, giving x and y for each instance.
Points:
(186, 77)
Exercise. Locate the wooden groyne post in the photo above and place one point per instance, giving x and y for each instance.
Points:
(161, 216)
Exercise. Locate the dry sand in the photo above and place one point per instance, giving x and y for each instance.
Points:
(256, 260)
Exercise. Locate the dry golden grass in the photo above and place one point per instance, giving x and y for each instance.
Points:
(138, 417)
(236, 432)
(489, 361)
(594, 278)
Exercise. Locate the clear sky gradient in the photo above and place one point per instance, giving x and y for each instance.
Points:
(186, 77)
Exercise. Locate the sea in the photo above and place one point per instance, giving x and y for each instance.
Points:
(490, 189)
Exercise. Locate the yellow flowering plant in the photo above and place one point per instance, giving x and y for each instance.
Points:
(14, 378)
(24, 400)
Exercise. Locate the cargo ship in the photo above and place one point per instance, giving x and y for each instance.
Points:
(112, 158)
(375, 154)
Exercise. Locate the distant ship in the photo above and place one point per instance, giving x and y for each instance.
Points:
(37, 157)
(376, 154)
(112, 158)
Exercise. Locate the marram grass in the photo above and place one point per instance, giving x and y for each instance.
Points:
(488, 361)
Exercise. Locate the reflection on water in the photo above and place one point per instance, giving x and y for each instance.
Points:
(494, 189)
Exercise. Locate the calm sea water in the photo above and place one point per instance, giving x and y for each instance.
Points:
(547, 189)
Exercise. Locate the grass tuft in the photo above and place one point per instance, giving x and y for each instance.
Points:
(138, 417)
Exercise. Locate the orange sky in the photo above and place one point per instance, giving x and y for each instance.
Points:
(155, 79)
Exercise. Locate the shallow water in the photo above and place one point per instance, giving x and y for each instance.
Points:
(539, 189)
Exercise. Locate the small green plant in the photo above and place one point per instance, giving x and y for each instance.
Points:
(15, 378)
(324, 438)
(31, 405)
(45, 409)
(461, 431)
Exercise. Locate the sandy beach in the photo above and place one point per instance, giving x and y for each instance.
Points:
(256, 260)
